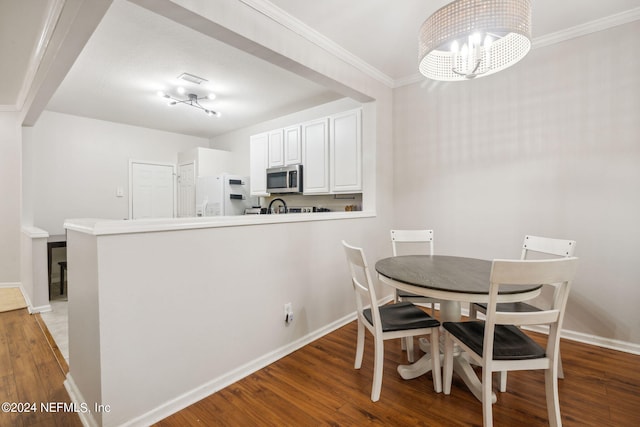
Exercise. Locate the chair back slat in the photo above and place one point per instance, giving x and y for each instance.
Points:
(558, 272)
(362, 282)
(526, 318)
(527, 272)
(547, 246)
(411, 236)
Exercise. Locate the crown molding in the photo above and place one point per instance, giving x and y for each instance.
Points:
(587, 28)
(54, 9)
(290, 22)
(51, 20)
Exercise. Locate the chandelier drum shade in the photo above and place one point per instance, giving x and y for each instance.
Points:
(472, 38)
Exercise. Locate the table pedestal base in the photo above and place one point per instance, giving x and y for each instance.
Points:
(449, 311)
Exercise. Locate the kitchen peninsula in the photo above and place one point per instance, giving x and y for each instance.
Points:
(165, 312)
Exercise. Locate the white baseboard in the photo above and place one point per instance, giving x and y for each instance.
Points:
(10, 285)
(86, 418)
(25, 295)
(30, 307)
(595, 340)
(197, 394)
(39, 309)
(618, 345)
(180, 402)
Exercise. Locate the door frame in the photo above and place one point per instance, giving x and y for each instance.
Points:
(144, 162)
(177, 177)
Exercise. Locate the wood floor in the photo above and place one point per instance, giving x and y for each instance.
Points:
(30, 374)
(317, 386)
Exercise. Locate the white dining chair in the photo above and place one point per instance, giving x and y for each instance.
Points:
(532, 246)
(386, 322)
(498, 344)
(412, 242)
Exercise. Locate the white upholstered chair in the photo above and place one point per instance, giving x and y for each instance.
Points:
(497, 344)
(386, 322)
(532, 247)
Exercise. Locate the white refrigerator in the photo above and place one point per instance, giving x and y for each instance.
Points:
(222, 195)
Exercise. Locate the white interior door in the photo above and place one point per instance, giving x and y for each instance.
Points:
(187, 190)
(152, 191)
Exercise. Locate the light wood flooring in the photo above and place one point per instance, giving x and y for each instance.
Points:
(317, 386)
(31, 373)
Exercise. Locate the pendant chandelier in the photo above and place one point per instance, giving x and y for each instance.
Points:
(474, 38)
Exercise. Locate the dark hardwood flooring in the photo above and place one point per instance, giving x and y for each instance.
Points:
(317, 386)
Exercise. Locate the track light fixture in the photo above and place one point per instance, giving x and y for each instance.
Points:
(192, 100)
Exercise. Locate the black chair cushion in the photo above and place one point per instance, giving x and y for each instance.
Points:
(405, 294)
(402, 316)
(509, 342)
(511, 307)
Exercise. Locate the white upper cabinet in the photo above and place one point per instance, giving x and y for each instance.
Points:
(345, 148)
(276, 148)
(315, 156)
(258, 163)
(329, 149)
(292, 146)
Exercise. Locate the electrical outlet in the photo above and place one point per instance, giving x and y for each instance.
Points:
(288, 313)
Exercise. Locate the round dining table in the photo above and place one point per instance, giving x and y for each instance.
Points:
(451, 280)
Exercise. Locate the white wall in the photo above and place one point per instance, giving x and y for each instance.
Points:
(208, 162)
(73, 165)
(550, 147)
(10, 206)
(218, 298)
(33, 269)
(256, 268)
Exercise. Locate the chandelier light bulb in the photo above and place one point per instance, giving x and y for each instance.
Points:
(487, 41)
(476, 37)
(180, 90)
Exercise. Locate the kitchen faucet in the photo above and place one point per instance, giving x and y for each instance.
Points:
(284, 205)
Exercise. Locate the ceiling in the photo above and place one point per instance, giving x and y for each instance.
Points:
(21, 26)
(384, 33)
(115, 79)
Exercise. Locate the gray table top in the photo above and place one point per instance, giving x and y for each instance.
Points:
(444, 273)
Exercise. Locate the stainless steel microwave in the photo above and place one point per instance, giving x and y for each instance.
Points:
(285, 179)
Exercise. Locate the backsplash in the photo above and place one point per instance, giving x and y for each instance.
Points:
(343, 202)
